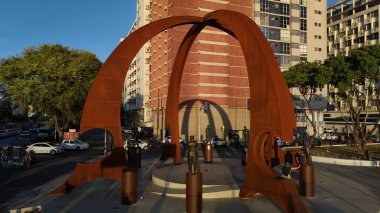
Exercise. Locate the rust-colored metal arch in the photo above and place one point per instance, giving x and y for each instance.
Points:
(267, 90)
(272, 112)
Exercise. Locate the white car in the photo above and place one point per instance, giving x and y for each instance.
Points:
(142, 144)
(216, 141)
(168, 139)
(75, 144)
(328, 136)
(44, 148)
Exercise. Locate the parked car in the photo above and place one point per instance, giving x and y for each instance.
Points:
(328, 130)
(374, 139)
(25, 134)
(3, 133)
(328, 136)
(142, 144)
(43, 133)
(216, 141)
(168, 139)
(74, 144)
(44, 148)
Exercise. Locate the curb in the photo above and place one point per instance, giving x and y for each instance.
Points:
(346, 162)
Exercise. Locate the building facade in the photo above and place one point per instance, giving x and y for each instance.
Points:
(136, 84)
(296, 31)
(350, 25)
(215, 71)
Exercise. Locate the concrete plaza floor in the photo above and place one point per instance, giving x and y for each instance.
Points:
(338, 189)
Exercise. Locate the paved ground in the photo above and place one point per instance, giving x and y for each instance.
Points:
(338, 189)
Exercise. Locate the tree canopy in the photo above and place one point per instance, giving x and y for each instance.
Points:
(307, 77)
(52, 79)
(357, 77)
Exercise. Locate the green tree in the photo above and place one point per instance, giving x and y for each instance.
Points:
(308, 77)
(51, 79)
(355, 77)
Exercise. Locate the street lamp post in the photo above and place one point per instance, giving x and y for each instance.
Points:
(199, 123)
(162, 119)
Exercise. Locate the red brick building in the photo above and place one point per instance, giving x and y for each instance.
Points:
(215, 70)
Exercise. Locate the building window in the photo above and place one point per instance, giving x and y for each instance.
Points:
(318, 12)
(303, 37)
(318, 49)
(284, 9)
(317, 37)
(303, 12)
(303, 2)
(280, 47)
(265, 31)
(284, 22)
(303, 24)
(264, 6)
(316, 24)
(285, 35)
(303, 50)
(283, 60)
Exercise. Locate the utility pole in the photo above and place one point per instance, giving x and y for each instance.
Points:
(199, 124)
(246, 109)
(158, 112)
(235, 112)
(162, 119)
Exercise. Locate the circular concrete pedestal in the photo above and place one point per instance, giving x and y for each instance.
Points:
(218, 181)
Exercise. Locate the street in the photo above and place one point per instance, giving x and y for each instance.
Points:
(337, 187)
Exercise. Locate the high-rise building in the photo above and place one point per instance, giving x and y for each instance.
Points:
(215, 72)
(294, 28)
(352, 24)
(296, 31)
(136, 85)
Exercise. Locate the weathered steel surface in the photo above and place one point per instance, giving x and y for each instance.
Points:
(272, 112)
(271, 105)
(102, 107)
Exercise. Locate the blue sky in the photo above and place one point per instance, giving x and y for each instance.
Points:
(93, 25)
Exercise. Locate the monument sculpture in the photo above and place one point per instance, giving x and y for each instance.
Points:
(272, 113)
(192, 157)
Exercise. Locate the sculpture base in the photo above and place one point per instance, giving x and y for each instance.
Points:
(194, 192)
(307, 181)
(129, 186)
(109, 167)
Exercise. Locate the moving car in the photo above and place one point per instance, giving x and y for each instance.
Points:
(44, 148)
(216, 141)
(142, 144)
(74, 144)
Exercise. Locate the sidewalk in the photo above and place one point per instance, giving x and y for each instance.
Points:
(338, 189)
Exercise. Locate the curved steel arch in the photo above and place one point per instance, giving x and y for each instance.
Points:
(102, 106)
(271, 105)
(267, 91)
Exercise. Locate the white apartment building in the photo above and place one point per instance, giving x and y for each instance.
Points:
(136, 85)
(352, 24)
(296, 31)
